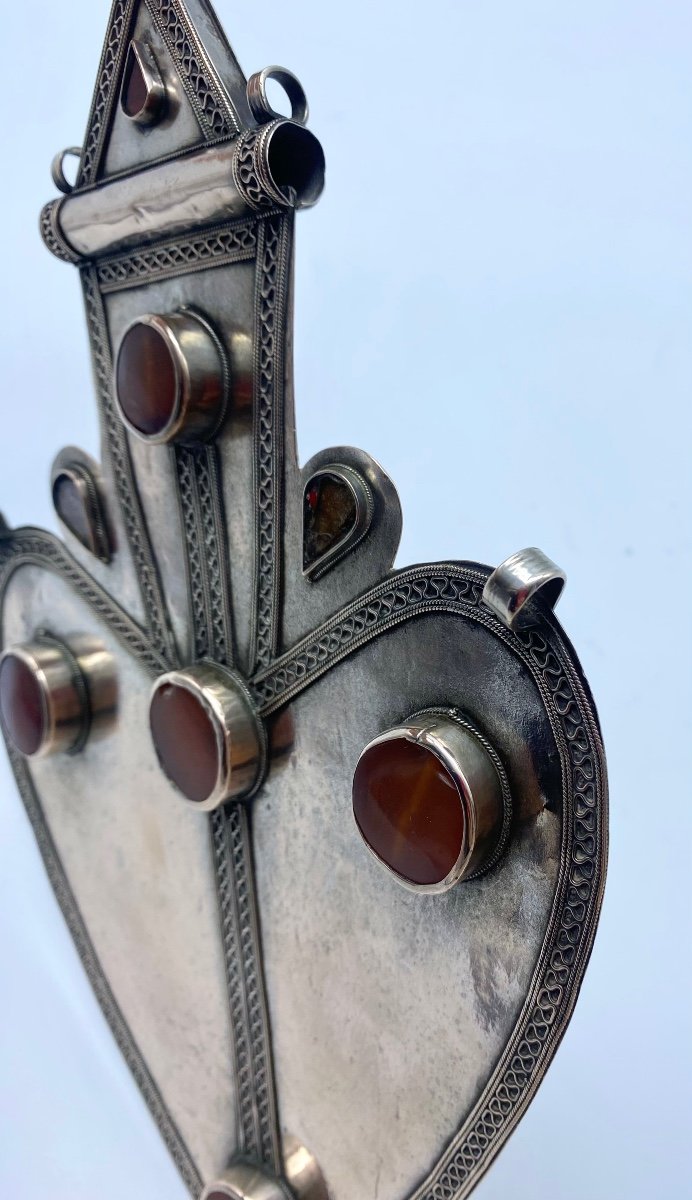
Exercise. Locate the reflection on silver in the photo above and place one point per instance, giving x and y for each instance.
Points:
(281, 164)
(524, 582)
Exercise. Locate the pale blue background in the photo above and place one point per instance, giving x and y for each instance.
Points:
(494, 299)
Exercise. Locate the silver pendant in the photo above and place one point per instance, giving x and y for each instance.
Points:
(330, 838)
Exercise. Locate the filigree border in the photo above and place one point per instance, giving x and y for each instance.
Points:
(49, 227)
(217, 247)
(116, 440)
(273, 252)
(211, 103)
(38, 548)
(105, 91)
(231, 836)
(258, 1122)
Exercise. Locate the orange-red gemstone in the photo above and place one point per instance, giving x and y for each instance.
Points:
(184, 738)
(21, 705)
(146, 379)
(408, 810)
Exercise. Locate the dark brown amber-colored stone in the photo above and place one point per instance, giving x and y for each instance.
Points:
(184, 737)
(71, 508)
(146, 379)
(135, 90)
(218, 1196)
(21, 705)
(408, 810)
(329, 514)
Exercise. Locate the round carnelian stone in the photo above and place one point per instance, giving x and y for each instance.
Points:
(408, 809)
(184, 736)
(146, 379)
(22, 705)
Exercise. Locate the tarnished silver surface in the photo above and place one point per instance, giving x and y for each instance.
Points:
(265, 979)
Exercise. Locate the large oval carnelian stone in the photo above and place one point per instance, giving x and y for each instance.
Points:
(184, 736)
(21, 705)
(408, 809)
(146, 379)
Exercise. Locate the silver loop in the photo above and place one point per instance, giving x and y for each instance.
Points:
(57, 172)
(260, 107)
(515, 585)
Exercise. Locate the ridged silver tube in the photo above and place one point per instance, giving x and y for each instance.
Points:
(280, 164)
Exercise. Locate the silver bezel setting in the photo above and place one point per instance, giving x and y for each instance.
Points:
(78, 689)
(87, 488)
(154, 105)
(198, 356)
(481, 785)
(365, 508)
(241, 741)
(243, 1181)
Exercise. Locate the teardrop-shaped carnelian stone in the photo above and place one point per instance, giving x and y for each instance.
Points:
(135, 89)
